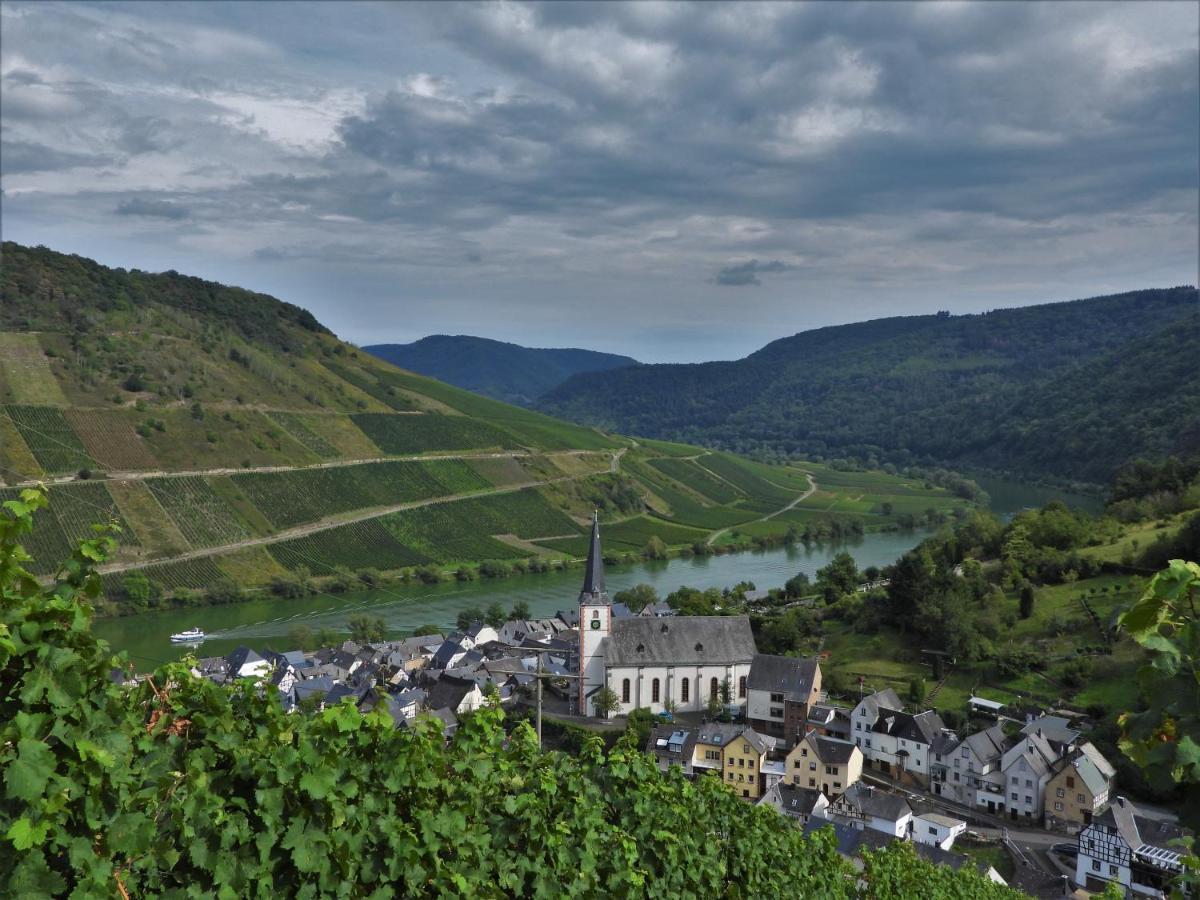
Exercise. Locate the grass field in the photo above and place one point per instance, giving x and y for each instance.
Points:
(295, 425)
(231, 438)
(17, 463)
(27, 376)
(159, 535)
(50, 438)
(500, 472)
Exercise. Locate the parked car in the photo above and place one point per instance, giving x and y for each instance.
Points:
(1071, 850)
(667, 716)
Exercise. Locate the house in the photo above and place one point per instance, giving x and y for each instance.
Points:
(480, 633)
(1133, 851)
(459, 695)
(797, 802)
(672, 746)
(824, 764)
(831, 721)
(780, 692)
(657, 610)
(449, 655)
(937, 830)
(1079, 789)
(743, 759)
(413, 653)
(406, 704)
(1026, 766)
(313, 689)
(968, 771)
(893, 741)
(864, 806)
(956, 861)
(651, 662)
(709, 748)
(245, 663)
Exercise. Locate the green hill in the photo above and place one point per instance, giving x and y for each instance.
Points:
(496, 369)
(234, 438)
(1067, 389)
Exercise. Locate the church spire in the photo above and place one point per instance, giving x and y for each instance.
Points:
(594, 590)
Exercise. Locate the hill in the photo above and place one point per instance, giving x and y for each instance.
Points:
(1069, 390)
(507, 372)
(239, 444)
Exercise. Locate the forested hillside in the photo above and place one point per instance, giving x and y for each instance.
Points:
(1070, 390)
(239, 444)
(507, 372)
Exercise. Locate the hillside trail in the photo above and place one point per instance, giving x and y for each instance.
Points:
(331, 464)
(812, 486)
(328, 523)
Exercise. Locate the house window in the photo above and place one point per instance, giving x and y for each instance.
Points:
(776, 712)
(1079, 799)
(712, 688)
(1028, 782)
(777, 698)
(1014, 796)
(1015, 780)
(742, 686)
(1095, 865)
(654, 691)
(683, 691)
(1028, 799)
(1058, 806)
(812, 767)
(745, 793)
(625, 691)
(1060, 793)
(1112, 870)
(1070, 781)
(812, 782)
(804, 751)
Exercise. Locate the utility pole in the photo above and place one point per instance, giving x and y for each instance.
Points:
(539, 700)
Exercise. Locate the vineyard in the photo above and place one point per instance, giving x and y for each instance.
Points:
(204, 518)
(306, 495)
(685, 509)
(358, 545)
(73, 509)
(294, 425)
(632, 535)
(405, 435)
(688, 473)
(459, 531)
(50, 438)
(194, 574)
(384, 393)
(764, 495)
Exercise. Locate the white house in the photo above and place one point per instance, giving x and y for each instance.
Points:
(1026, 766)
(863, 806)
(893, 741)
(649, 662)
(796, 802)
(1131, 850)
(245, 663)
(937, 830)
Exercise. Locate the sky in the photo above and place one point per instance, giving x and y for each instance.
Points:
(667, 181)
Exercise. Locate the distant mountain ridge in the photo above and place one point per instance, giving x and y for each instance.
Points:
(1070, 389)
(503, 371)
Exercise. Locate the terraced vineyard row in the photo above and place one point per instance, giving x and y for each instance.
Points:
(73, 509)
(690, 474)
(50, 438)
(205, 519)
(631, 535)
(295, 426)
(195, 574)
(358, 545)
(305, 495)
(427, 432)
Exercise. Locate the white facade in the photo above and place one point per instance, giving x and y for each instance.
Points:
(1103, 855)
(595, 622)
(688, 686)
(936, 830)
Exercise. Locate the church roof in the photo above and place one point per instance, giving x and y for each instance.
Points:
(680, 640)
(594, 590)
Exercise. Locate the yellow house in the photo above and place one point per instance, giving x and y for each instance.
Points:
(743, 759)
(824, 764)
(1079, 790)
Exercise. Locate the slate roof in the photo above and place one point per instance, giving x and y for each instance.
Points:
(793, 800)
(679, 640)
(870, 801)
(788, 675)
(850, 840)
(240, 657)
(317, 687)
(922, 727)
(449, 692)
(1055, 729)
(664, 737)
(830, 750)
(445, 653)
(988, 744)
(872, 703)
(594, 591)
(718, 734)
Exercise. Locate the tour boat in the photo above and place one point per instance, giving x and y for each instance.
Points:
(192, 634)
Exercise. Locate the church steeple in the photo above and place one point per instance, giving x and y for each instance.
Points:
(594, 592)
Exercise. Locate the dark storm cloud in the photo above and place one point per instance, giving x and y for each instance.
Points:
(158, 209)
(747, 273)
(533, 160)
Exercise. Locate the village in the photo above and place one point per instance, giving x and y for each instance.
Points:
(1023, 791)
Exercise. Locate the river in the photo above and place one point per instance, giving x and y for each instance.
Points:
(265, 623)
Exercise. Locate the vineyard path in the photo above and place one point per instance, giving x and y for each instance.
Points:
(812, 486)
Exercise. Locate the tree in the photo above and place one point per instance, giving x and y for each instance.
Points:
(422, 630)
(605, 702)
(1028, 595)
(495, 615)
(916, 691)
(300, 637)
(365, 629)
(468, 617)
(637, 597)
(655, 548)
(327, 637)
(838, 578)
(520, 610)
(726, 690)
(712, 708)
(797, 586)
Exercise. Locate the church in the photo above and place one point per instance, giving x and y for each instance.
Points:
(648, 661)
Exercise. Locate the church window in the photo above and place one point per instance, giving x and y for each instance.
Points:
(625, 690)
(712, 688)
(683, 691)
(654, 691)
(742, 686)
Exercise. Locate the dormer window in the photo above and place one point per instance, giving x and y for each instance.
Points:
(699, 646)
(641, 648)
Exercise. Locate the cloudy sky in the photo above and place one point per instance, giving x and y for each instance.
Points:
(668, 181)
